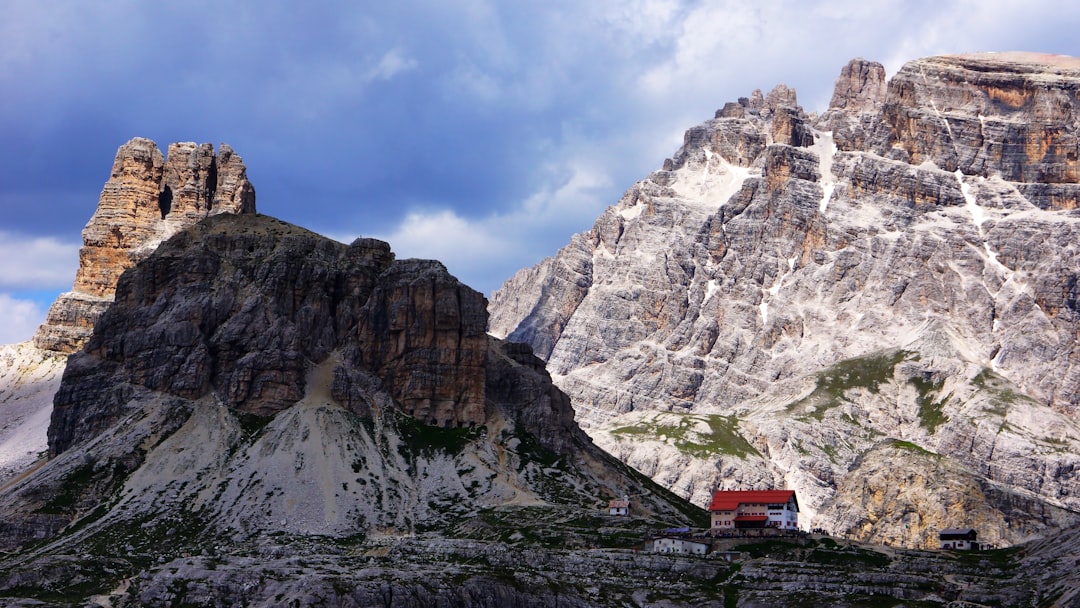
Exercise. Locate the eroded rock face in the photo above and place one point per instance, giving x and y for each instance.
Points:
(253, 379)
(239, 308)
(239, 315)
(1010, 115)
(860, 87)
(434, 360)
(907, 275)
(146, 200)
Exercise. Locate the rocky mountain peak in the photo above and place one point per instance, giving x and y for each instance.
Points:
(989, 114)
(781, 96)
(146, 199)
(796, 300)
(860, 87)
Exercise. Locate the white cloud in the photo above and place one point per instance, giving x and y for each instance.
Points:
(391, 64)
(36, 262)
(19, 319)
(474, 83)
(573, 197)
(723, 49)
(445, 236)
(483, 252)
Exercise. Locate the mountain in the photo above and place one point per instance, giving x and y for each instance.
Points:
(264, 416)
(876, 307)
(146, 199)
(255, 390)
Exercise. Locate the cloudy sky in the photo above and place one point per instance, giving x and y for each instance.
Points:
(478, 132)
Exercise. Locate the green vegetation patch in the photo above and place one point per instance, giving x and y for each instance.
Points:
(1000, 390)
(530, 449)
(999, 559)
(88, 479)
(555, 527)
(251, 425)
(931, 414)
(74, 484)
(773, 548)
(144, 539)
(868, 372)
(69, 583)
(418, 438)
(684, 433)
(886, 601)
(911, 447)
(849, 558)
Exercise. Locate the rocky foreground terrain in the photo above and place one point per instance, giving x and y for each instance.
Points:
(875, 306)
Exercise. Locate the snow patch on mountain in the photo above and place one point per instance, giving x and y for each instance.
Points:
(712, 182)
(826, 149)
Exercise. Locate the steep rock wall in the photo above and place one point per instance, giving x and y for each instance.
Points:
(147, 199)
(906, 274)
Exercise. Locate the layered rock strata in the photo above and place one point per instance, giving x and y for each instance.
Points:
(243, 308)
(246, 317)
(907, 274)
(147, 198)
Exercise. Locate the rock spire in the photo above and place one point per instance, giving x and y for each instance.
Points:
(861, 86)
(147, 199)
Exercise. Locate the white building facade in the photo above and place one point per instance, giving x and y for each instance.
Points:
(680, 546)
(749, 509)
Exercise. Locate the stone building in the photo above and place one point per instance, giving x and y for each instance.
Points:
(963, 539)
(682, 546)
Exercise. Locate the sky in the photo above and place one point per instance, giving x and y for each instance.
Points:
(480, 133)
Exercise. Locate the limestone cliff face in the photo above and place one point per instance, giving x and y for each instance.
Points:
(901, 268)
(146, 199)
(434, 363)
(261, 379)
(1004, 114)
(242, 308)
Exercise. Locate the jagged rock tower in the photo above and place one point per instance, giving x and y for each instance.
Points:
(147, 199)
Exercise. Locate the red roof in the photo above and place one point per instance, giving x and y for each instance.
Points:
(729, 500)
(752, 518)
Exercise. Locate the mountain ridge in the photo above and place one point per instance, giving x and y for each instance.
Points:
(775, 246)
(253, 381)
(267, 416)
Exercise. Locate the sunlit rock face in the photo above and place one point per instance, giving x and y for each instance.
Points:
(29, 378)
(794, 296)
(147, 199)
